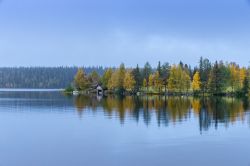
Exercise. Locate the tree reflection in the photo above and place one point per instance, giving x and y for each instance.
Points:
(210, 112)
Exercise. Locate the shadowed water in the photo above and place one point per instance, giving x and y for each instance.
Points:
(47, 128)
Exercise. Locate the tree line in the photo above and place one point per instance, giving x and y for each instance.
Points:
(218, 78)
(40, 77)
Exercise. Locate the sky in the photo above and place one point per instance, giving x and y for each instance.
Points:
(108, 32)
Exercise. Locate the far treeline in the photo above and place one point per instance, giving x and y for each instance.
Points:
(218, 78)
(40, 77)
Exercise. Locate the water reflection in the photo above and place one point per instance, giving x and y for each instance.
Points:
(210, 112)
(162, 111)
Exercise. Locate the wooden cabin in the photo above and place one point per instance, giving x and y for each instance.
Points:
(99, 90)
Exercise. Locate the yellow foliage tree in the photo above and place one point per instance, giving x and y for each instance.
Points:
(234, 76)
(186, 79)
(196, 84)
(113, 81)
(81, 80)
(106, 77)
(151, 80)
(129, 81)
(172, 81)
(157, 81)
(121, 75)
(117, 79)
(179, 79)
(243, 75)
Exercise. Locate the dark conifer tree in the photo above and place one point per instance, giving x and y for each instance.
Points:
(138, 78)
(216, 81)
(245, 88)
(165, 75)
(204, 70)
(147, 70)
(159, 68)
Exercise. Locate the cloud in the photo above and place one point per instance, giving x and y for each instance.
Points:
(117, 45)
(131, 48)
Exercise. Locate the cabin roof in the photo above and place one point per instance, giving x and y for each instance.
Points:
(99, 87)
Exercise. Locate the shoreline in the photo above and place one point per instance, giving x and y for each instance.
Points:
(169, 94)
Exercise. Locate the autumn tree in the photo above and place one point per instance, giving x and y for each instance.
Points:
(242, 75)
(94, 78)
(157, 81)
(106, 77)
(113, 81)
(151, 80)
(234, 76)
(196, 84)
(81, 80)
(179, 79)
(171, 80)
(186, 80)
(116, 81)
(129, 81)
(121, 75)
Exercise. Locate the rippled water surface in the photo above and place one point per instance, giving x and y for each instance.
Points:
(46, 128)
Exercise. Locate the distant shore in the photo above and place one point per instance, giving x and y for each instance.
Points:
(29, 90)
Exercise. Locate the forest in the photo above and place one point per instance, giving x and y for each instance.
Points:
(218, 78)
(40, 77)
(207, 78)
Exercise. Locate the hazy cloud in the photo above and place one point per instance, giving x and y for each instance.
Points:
(107, 32)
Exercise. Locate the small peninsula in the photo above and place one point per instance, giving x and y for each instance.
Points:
(207, 79)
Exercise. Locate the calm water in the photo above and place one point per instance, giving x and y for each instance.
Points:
(49, 129)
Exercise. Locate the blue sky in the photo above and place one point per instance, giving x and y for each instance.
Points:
(108, 32)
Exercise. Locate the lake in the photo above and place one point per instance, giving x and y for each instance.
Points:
(46, 128)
